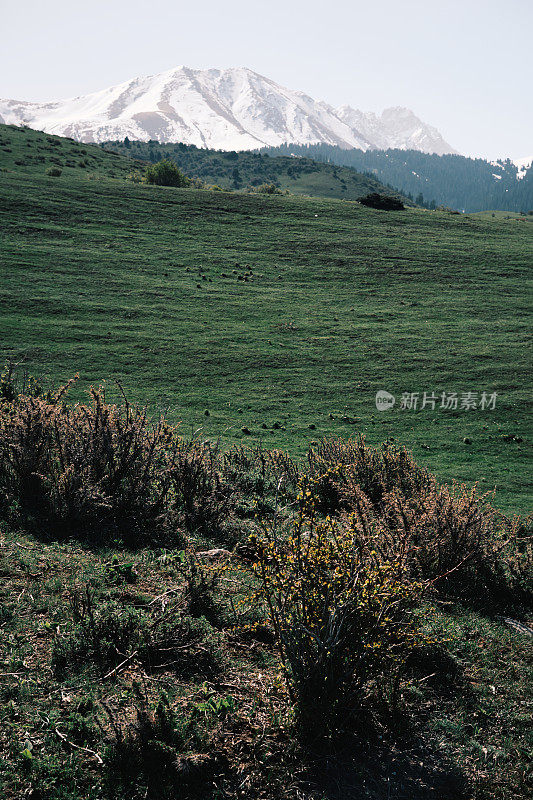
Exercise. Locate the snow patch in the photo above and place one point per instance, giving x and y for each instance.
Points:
(522, 165)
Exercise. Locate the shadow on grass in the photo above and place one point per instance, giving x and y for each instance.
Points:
(387, 767)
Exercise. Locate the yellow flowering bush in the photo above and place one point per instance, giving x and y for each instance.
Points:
(339, 599)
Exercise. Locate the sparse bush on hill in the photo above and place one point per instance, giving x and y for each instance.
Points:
(88, 465)
(100, 469)
(136, 176)
(166, 173)
(382, 202)
(454, 538)
(267, 188)
(198, 486)
(342, 464)
(53, 172)
(256, 471)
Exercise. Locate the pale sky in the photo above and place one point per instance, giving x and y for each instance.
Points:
(464, 66)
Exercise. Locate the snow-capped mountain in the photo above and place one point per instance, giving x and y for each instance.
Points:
(230, 109)
(396, 128)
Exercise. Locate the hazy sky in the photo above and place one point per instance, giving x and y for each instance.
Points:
(464, 66)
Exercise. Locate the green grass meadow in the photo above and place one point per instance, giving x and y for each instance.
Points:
(138, 651)
(282, 316)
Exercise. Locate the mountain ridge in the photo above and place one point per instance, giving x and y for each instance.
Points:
(467, 184)
(227, 109)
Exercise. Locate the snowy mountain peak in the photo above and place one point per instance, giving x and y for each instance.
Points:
(396, 127)
(227, 109)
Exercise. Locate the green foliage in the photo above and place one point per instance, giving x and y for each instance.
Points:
(136, 176)
(340, 609)
(213, 705)
(122, 571)
(246, 171)
(166, 173)
(54, 172)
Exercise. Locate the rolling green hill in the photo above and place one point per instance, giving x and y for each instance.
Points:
(231, 170)
(34, 152)
(279, 316)
(28, 152)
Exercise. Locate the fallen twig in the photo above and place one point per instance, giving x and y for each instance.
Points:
(77, 746)
(122, 664)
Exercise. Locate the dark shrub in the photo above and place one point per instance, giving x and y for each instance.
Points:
(84, 466)
(103, 635)
(200, 497)
(382, 202)
(453, 536)
(184, 645)
(341, 465)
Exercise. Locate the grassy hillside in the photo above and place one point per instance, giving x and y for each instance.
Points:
(31, 152)
(187, 610)
(275, 319)
(232, 170)
(503, 215)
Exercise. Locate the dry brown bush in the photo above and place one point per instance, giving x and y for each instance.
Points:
(453, 535)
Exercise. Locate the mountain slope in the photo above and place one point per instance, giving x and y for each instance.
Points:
(469, 184)
(232, 109)
(395, 128)
(522, 165)
(146, 284)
